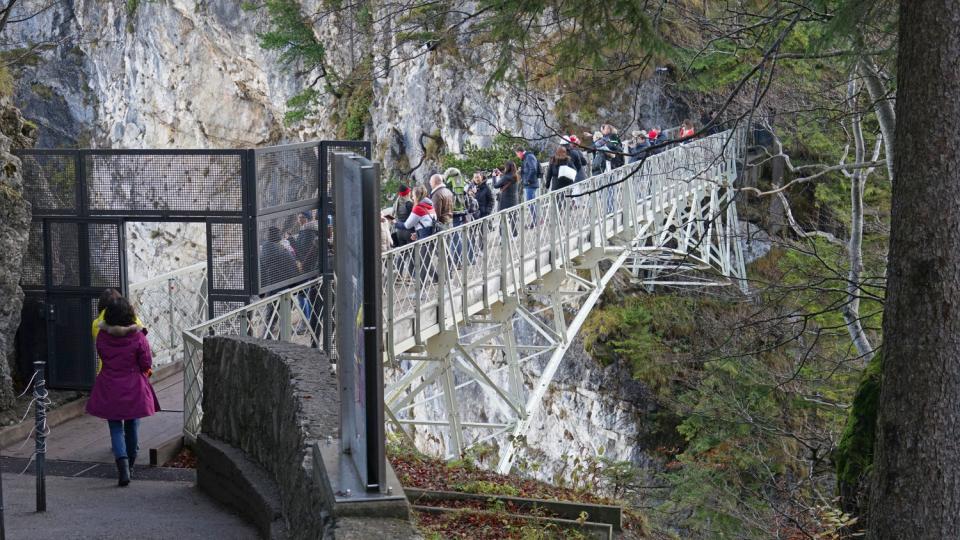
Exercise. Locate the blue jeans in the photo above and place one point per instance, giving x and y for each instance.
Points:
(531, 193)
(123, 437)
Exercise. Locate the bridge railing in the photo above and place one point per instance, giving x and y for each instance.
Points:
(438, 282)
(294, 315)
(168, 304)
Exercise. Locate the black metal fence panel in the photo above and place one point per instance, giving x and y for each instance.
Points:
(64, 242)
(104, 245)
(286, 176)
(32, 275)
(226, 257)
(151, 183)
(50, 181)
(259, 206)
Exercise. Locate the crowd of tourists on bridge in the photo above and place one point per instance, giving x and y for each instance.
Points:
(448, 200)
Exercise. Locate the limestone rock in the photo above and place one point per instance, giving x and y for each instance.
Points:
(15, 132)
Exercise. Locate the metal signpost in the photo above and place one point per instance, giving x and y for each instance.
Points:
(358, 337)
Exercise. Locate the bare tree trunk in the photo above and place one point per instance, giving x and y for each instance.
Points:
(916, 484)
(883, 107)
(851, 311)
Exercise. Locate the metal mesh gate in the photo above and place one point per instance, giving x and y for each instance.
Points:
(263, 210)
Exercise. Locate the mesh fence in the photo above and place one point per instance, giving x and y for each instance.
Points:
(286, 175)
(65, 254)
(289, 246)
(103, 243)
(152, 183)
(328, 149)
(226, 247)
(73, 343)
(32, 274)
(50, 182)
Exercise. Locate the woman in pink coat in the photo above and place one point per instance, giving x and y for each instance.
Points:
(122, 394)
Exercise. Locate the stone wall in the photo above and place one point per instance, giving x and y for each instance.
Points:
(272, 401)
(15, 132)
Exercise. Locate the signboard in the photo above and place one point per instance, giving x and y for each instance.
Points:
(358, 334)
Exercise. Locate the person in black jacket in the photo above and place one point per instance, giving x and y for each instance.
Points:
(562, 171)
(484, 197)
(507, 183)
(579, 160)
(401, 211)
(276, 263)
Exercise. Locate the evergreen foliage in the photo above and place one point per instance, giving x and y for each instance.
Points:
(292, 35)
(475, 158)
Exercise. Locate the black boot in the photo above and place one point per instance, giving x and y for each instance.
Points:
(123, 472)
(132, 459)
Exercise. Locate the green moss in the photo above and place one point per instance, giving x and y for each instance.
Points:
(42, 91)
(23, 57)
(484, 487)
(853, 457)
(6, 81)
(358, 107)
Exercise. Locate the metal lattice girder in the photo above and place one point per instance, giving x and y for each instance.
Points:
(466, 290)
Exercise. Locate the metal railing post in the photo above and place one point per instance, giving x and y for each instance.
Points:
(505, 235)
(441, 281)
(173, 337)
(390, 288)
(284, 305)
(420, 275)
(466, 250)
(40, 432)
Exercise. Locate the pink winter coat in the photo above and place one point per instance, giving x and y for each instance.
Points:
(122, 390)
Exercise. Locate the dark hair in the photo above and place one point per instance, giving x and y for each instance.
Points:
(509, 167)
(105, 298)
(119, 312)
(273, 234)
(560, 155)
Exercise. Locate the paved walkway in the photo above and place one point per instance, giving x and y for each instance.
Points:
(86, 438)
(83, 500)
(97, 508)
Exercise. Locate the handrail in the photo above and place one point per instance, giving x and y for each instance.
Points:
(198, 330)
(569, 189)
(164, 277)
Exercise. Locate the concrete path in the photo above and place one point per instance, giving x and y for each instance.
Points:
(86, 438)
(95, 508)
(83, 500)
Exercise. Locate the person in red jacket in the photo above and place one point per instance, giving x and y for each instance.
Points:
(122, 393)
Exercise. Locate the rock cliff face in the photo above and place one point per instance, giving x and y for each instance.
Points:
(15, 133)
(185, 73)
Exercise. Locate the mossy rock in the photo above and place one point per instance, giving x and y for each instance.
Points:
(853, 457)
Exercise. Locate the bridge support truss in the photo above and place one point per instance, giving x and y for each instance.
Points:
(488, 310)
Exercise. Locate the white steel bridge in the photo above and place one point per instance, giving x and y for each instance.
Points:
(542, 265)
